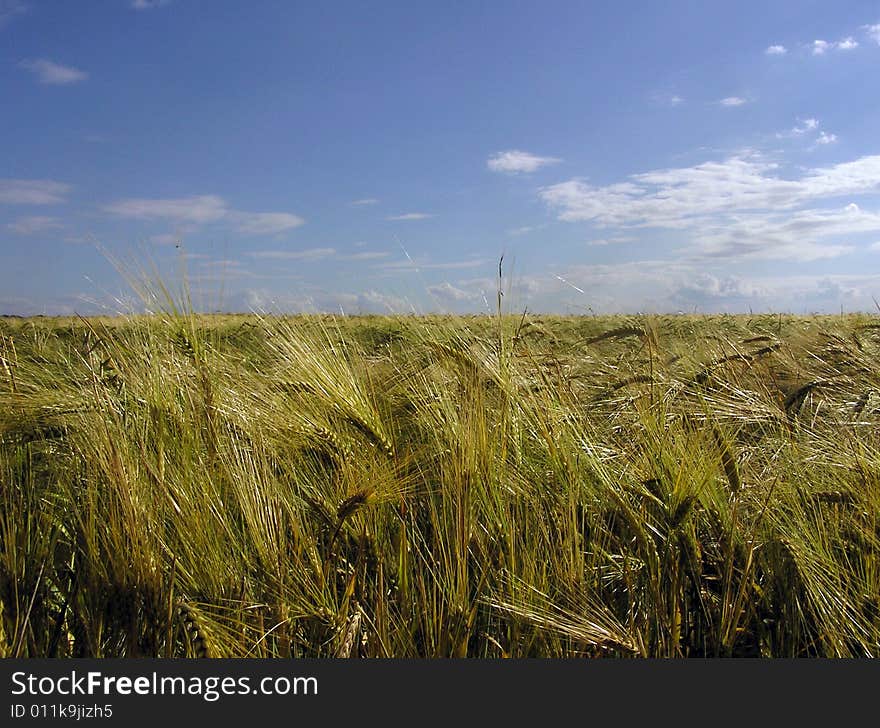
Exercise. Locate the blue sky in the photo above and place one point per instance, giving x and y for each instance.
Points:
(381, 157)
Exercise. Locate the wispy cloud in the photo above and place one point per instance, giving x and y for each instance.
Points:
(165, 239)
(664, 285)
(821, 47)
(9, 9)
(220, 271)
(807, 125)
(704, 285)
(515, 161)
(873, 32)
(200, 209)
(373, 300)
(34, 225)
(419, 264)
(664, 98)
(667, 197)
(204, 209)
(737, 207)
(366, 255)
(49, 72)
(446, 291)
(524, 230)
(366, 201)
(221, 263)
(410, 216)
(808, 128)
(776, 50)
(266, 223)
(148, 4)
(616, 240)
(33, 192)
(318, 254)
(732, 101)
(307, 254)
(802, 235)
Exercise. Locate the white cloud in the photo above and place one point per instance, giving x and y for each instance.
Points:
(203, 209)
(415, 265)
(711, 286)
(673, 197)
(601, 242)
(859, 176)
(307, 254)
(773, 292)
(776, 50)
(615, 204)
(266, 223)
(148, 4)
(33, 192)
(448, 292)
(165, 239)
(515, 161)
(740, 207)
(50, 72)
(372, 300)
(33, 225)
(821, 47)
(798, 235)
(318, 254)
(667, 98)
(732, 101)
(670, 285)
(806, 126)
(200, 209)
(63, 305)
(220, 271)
(221, 263)
(875, 246)
(873, 32)
(366, 201)
(366, 255)
(410, 216)
(524, 230)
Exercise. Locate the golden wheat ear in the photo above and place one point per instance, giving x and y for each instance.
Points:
(348, 645)
(4, 644)
(195, 630)
(348, 507)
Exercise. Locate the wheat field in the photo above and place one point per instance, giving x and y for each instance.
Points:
(180, 485)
